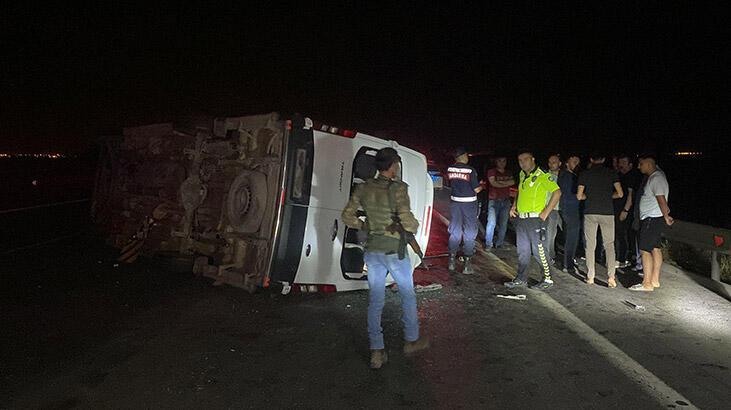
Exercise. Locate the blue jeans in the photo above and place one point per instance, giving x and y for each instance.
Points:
(498, 212)
(379, 265)
(463, 226)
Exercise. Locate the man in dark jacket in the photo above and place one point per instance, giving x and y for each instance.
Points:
(463, 209)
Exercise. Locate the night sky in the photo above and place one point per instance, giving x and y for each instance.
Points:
(635, 77)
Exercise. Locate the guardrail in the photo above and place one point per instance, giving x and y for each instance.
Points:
(704, 237)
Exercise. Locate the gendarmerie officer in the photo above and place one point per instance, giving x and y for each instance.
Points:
(464, 209)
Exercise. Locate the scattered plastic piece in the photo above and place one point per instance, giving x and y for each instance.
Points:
(514, 297)
(633, 306)
(427, 288)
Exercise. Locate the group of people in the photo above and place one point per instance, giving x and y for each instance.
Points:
(619, 203)
(622, 207)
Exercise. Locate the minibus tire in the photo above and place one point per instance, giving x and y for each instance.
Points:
(246, 201)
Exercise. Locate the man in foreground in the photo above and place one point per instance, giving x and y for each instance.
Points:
(624, 236)
(463, 210)
(597, 187)
(654, 221)
(554, 218)
(531, 210)
(499, 203)
(570, 212)
(381, 199)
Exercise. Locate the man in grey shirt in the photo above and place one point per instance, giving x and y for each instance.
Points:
(654, 220)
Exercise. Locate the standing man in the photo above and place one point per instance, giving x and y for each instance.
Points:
(381, 198)
(624, 235)
(463, 209)
(570, 214)
(554, 219)
(532, 212)
(597, 187)
(654, 221)
(499, 203)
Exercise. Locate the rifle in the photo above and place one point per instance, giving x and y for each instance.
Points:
(405, 237)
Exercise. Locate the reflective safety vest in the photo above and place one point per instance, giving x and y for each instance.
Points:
(533, 189)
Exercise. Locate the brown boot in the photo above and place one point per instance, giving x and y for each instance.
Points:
(378, 358)
(417, 345)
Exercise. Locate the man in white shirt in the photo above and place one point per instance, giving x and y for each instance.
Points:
(654, 220)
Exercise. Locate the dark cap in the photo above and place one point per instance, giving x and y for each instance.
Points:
(459, 151)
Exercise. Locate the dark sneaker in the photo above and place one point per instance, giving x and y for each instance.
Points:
(468, 270)
(378, 358)
(417, 345)
(515, 283)
(546, 284)
(571, 271)
(452, 263)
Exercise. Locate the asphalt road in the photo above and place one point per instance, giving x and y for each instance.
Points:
(82, 333)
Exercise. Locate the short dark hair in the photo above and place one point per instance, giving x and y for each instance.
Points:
(525, 151)
(385, 157)
(597, 156)
(629, 157)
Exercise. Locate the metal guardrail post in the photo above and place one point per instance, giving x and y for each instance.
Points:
(715, 267)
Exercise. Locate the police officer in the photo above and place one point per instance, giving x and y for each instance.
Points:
(531, 210)
(381, 198)
(463, 209)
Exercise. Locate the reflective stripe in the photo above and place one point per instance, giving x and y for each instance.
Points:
(464, 198)
(524, 215)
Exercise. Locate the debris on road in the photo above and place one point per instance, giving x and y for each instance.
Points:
(427, 288)
(514, 297)
(441, 255)
(633, 306)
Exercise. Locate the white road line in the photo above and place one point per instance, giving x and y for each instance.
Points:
(651, 384)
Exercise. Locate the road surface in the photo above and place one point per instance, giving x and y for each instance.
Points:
(80, 332)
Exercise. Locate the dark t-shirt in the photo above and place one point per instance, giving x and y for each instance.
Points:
(567, 183)
(631, 179)
(598, 182)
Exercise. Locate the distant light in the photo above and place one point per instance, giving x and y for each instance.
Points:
(688, 154)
